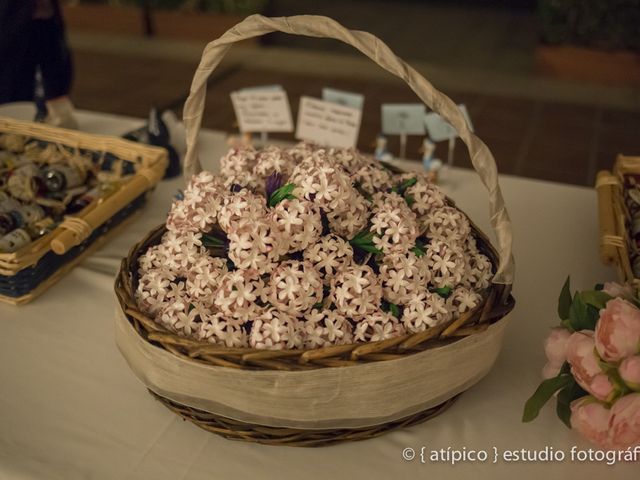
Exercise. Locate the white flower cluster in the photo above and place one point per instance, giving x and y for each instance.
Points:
(309, 247)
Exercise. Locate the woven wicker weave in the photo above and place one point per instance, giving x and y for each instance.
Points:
(615, 219)
(292, 437)
(497, 302)
(31, 270)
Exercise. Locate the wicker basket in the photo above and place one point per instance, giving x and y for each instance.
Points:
(320, 396)
(26, 273)
(615, 219)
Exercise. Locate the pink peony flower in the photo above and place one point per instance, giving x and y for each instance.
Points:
(555, 346)
(625, 421)
(618, 290)
(550, 370)
(618, 330)
(582, 358)
(630, 372)
(602, 388)
(591, 420)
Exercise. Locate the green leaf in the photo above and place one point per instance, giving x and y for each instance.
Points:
(418, 249)
(409, 183)
(409, 199)
(567, 395)
(584, 310)
(364, 241)
(282, 193)
(394, 309)
(591, 319)
(362, 237)
(542, 395)
(567, 324)
(444, 292)
(370, 248)
(582, 316)
(563, 407)
(577, 310)
(404, 185)
(209, 241)
(564, 302)
(597, 299)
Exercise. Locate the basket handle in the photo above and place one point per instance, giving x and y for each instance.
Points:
(318, 26)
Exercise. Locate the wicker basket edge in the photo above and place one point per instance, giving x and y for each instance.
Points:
(126, 149)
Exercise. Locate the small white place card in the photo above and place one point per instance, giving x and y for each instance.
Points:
(403, 118)
(439, 129)
(327, 123)
(348, 99)
(262, 110)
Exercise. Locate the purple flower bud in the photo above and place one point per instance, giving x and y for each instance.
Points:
(272, 183)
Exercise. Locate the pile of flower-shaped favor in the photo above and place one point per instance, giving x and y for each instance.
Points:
(309, 247)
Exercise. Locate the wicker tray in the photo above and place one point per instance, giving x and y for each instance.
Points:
(320, 396)
(31, 270)
(615, 218)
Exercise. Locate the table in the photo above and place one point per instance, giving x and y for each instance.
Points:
(70, 408)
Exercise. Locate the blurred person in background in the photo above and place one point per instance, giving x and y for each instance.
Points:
(35, 61)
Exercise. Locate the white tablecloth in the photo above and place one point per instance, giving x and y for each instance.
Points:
(70, 408)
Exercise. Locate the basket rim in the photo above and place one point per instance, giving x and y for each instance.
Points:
(131, 151)
(497, 303)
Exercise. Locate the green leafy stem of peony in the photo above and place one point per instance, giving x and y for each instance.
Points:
(577, 312)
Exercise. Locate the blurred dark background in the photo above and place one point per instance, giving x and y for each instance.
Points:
(552, 86)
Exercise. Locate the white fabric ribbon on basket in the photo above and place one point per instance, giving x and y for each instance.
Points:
(339, 397)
